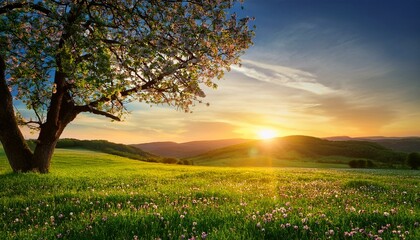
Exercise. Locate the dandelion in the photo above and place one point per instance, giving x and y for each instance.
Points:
(182, 216)
(386, 214)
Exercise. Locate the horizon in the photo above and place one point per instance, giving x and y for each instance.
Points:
(323, 68)
(356, 138)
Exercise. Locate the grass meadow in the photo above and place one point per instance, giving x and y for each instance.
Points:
(90, 195)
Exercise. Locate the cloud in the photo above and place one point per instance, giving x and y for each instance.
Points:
(208, 131)
(283, 76)
(353, 115)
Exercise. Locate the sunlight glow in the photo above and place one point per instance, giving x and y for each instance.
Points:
(267, 134)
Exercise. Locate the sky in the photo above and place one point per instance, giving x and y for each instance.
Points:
(317, 67)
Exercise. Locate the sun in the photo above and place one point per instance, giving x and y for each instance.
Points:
(267, 134)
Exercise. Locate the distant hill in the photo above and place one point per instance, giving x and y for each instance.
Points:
(187, 149)
(298, 148)
(400, 144)
(108, 147)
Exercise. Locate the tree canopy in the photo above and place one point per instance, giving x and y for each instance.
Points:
(62, 57)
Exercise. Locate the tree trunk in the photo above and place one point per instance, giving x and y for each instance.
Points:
(15, 146)
(52, 130)
(42, 156)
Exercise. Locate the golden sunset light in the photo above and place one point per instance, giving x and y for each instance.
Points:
(267, 134)
(227, 119)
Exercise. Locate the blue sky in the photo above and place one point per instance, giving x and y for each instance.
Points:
(319, 67)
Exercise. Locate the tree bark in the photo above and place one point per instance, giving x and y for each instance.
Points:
(61, 113)
(17, 151)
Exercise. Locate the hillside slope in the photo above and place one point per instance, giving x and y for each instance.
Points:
(187, 149)
(108, 147)
(403, 144)
(297, 148)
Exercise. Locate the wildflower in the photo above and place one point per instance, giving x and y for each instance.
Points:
(203, 235)
(386, 214)
(258, 225)
(393, 211)
(182, 216)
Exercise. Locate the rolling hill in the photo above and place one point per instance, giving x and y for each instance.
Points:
(299, 150)
(400, 144)
(187, 149)
(107, 147)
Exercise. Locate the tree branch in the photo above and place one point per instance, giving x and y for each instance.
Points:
(90, 109)
(37, 6)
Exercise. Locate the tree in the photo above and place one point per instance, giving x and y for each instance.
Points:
(62, 58)
(413, 160)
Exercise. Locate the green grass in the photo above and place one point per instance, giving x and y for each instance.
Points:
(91, 195)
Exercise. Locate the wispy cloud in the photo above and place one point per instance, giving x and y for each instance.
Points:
(283, 76)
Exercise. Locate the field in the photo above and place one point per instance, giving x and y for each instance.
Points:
(90, 195)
